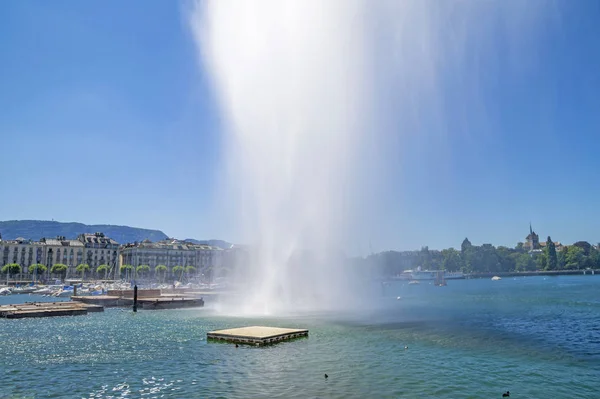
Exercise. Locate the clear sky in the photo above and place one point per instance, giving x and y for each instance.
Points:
(106, 117)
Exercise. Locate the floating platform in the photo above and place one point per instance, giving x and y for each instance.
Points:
(170, 303)
(159, 302)
(107, 301)
(47, 309)
(257, 335)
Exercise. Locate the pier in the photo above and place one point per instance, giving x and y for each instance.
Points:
(107, 301)
(256, 335)
(170, 303)
(147, 299)
(47, 309)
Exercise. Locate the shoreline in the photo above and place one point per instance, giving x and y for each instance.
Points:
(589, 272)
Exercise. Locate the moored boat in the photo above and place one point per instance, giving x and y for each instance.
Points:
(430, 275)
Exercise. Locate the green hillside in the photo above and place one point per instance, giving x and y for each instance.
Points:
(36, 229)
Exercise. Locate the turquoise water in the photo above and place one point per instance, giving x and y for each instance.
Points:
(537, 337)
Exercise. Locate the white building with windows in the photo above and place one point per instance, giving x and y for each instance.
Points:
(99, 250)
(93, 249)
(171, 253)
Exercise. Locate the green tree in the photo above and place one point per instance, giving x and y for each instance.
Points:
(126, 270)
(541, 261)
(82, 268)
(574, 258)
(11, 269)
(451, 260)
(189, 270)
(595, 257)
(142, 270)
(161, 272)
(102, 269)
(484, 259)
(561, 257)
(467, 253)
(178, 272)
(524, 262)
(586, 246)
(37, 269)
(425, 258)
(552, 258)
(60, 269)
(506, 259)
(437, 260)
(519, 247)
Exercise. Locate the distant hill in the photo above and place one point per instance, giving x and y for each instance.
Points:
(215, 243)
(36, 229)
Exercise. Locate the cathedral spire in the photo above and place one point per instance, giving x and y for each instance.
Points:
(530, 229)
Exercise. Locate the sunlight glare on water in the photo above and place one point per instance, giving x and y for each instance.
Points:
(473, 338)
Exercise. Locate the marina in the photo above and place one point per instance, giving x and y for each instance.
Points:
(257, 335)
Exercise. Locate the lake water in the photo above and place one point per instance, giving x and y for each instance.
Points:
(538, 337)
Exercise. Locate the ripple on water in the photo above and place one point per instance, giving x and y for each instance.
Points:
(457, 347)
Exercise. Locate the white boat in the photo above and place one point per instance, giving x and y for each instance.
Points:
(496, 278)
(64, 294)
(24, 290)
(48, 290)
(5, 291)
(430, 275)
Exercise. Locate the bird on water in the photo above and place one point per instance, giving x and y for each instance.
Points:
(506, 395)
(326, 376)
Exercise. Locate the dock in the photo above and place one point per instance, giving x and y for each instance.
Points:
(170, 303)
(107, 301)
(144, 302)
(47, 309)
(256, 335)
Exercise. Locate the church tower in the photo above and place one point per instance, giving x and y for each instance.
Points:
(533, 240)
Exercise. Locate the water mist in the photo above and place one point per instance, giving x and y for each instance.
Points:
(315, 97)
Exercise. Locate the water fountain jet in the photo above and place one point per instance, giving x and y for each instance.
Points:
(316, 99)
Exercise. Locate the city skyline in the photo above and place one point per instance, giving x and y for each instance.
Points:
(108, 119)
(473, 240)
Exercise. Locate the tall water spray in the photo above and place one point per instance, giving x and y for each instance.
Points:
(315, 97)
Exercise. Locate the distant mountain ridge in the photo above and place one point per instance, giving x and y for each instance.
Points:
(36, 229)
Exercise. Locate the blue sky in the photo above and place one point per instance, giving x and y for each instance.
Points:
(108, 118)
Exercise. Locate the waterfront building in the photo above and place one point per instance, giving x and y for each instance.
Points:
(61, 250)
(99, 250)
(21, 251)
(93, 249)
(171, 253)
